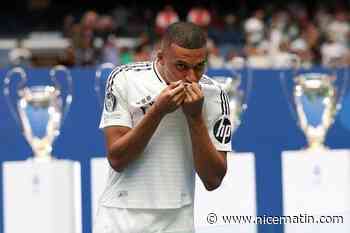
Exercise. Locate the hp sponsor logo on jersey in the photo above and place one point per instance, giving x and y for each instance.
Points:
(222, 130)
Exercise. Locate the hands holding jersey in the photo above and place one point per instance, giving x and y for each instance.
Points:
(187, 95)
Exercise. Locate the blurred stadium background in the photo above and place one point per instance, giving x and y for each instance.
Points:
(81, 34)
(87, 32)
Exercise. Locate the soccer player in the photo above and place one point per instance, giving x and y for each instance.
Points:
(163, 121)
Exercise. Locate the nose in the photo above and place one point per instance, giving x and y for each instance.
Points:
(192, 76)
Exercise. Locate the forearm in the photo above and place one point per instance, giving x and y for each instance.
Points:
(209, 163)
(130, 146)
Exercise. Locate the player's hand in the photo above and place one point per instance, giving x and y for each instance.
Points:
(193, 103)
(170, 98)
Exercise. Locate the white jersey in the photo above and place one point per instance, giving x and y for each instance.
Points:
(163, 176)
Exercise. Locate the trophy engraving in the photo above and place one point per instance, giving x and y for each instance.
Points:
(39, 109)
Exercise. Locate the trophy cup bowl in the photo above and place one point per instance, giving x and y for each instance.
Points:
(314, 100)
(315, 97)
(39, 110)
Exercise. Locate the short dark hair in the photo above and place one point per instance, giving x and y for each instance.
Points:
(186, 35)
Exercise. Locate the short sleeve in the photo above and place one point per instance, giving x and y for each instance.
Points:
(115, 108)
(217, 111)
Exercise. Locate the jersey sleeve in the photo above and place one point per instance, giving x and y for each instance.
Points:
(116, 108)
(217, 111)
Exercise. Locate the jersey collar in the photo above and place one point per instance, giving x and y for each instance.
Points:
(157, 72)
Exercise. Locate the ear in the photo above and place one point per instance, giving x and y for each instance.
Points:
(160, 57)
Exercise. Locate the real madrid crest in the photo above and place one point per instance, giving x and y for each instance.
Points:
(110, 102)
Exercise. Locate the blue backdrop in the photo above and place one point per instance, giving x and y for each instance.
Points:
(267, 128)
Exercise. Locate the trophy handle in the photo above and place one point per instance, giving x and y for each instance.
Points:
(98, 82)
(250, 75)
(7, 89)
(295, 61)
(69, 96)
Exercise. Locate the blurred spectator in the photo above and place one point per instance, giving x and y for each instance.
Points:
(283, 58)
(257, 54)
(254, 27)
(68, 57)
(68, 24)
(110, 52)
(322, 19)
(126, 55)
(301, 48)
(165, 17)
(85, 53)
(234, 60)
(199, 15)
(104, 27)
(339, 27)
(142, 53)
(333, 50)
(215, 60)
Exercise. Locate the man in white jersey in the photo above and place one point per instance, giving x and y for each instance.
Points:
(163, 121)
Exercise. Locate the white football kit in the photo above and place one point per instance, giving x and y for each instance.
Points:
(162, 178)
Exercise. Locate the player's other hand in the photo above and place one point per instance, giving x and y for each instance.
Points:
(193, 103)
(170, 98)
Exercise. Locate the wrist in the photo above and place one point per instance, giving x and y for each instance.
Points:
(156, 112)
(195, 120)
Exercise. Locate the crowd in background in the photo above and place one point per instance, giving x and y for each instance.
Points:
(266, 37)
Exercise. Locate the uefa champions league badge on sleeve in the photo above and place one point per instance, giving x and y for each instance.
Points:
(222, 129)
(110, 102)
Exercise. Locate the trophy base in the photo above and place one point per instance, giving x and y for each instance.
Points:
(42, 159)
(315, 148)
(35, 193)
(316, 183)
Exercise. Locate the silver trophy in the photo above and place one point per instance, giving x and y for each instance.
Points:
(237, 91)
(101, 75)
(314, 99)
(40, 109)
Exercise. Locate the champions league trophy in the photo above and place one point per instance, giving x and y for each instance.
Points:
(39, 189)
(39, 109)
(316, 181)
(314, 99)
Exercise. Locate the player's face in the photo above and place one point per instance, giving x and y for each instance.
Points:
(183, 64)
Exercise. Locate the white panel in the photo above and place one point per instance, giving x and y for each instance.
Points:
(99, 175)
(235, 197)
(42, 197)
(316, 183)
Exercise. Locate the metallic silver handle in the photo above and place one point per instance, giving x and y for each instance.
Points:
(7, 90)
(69, 96)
